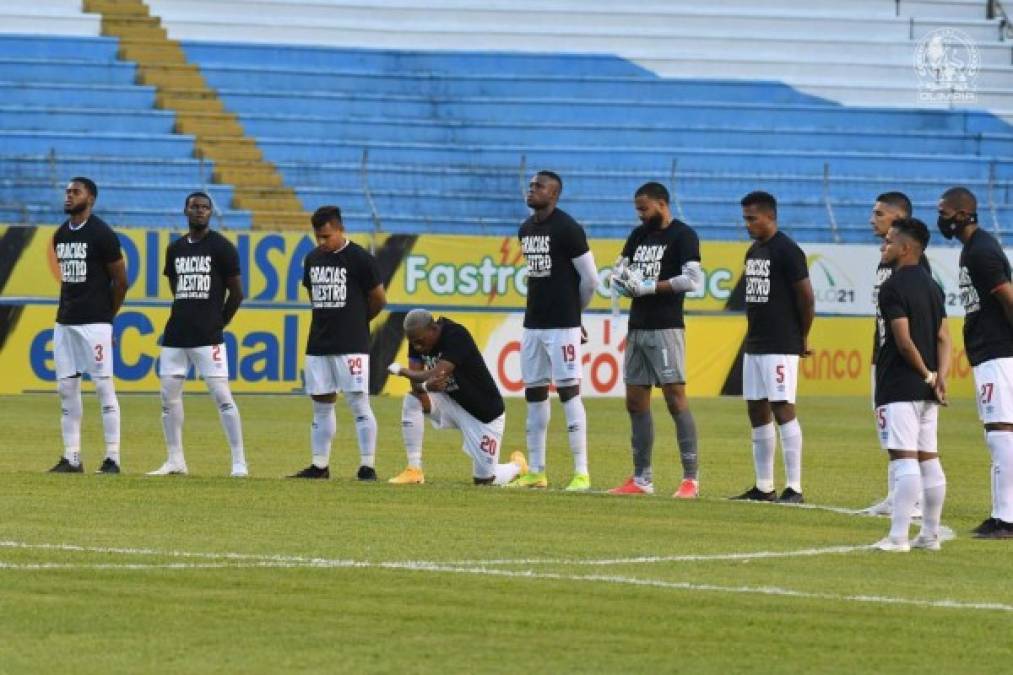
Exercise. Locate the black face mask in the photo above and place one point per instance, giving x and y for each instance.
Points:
(950, 227)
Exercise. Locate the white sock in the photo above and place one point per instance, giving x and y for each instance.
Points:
(229, 415)
(791, 448)
(71, 409)
(325, 425)
(890, 470)
(506, 473)
(536, 429)
(576, 430)
(172, 417)
(764, 442)
(413, 428)
(934, 494)
(1000, 443)
(365, 426)
(106, 391)
(906, 492)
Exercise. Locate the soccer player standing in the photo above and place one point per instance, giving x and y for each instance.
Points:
(779, 310)
(452, 384)
(93, 283)
(207, 287)
(562, 279)
(987, 296)
(911, 369)
(664, 262)
(346, 293)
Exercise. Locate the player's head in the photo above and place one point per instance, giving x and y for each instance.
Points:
(328, 228)
(759, 211)
(544, 189)
(889, 207)
(421, 330)
(651, 202)
(905, 242)
(80, 196)
(958, 208)
(198, 208)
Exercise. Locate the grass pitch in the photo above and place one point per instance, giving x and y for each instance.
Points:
(205, 573)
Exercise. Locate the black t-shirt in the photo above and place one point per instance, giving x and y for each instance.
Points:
(471, 384)
(983, 268)
(339, 283)
(660, 254)
(773, 268)
(883, 272)
(553, 283)
(85, 285)
(197, 273)
(910, 293)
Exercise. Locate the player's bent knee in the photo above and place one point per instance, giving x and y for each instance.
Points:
(484, 481)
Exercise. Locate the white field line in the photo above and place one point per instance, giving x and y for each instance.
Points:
(704, 557)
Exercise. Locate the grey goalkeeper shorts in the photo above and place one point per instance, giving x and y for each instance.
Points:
(655, 357)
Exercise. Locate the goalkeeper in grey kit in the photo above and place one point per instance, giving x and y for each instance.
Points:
(660, 263)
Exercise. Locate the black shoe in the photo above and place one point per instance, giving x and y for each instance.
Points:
(484, 481)
(366, 473)
(109, 466)
(754, 494)
(1000, 530)
(986, 527)
(64, 466)
(313, 471)
(789, 496)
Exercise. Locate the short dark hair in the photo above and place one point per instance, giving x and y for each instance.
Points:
(653, 190)
(198, 193)
(88, 184)
(913, 228)
(553, 176)
(764, 200)
(325, 215)
(962, 198)
(897, 200)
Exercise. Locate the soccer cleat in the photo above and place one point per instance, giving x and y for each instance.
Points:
(410, 476)
(517, 457)
(883, 508)
(1000, 530)
(64, 466)
(892, 546)
(632, 487)
(689, 488)
(581, 482)
(366, 473)
(239, 471)
(755, 494)
(169, 469)
(928, 542)
(986, 527)
(109, 466)
(529, 480)
(313, 471)
(790, 496)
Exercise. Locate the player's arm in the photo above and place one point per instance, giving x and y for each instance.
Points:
(376, 300)
(901, 329)
(1003, 293)
(943, 346)
(117, 271)
(584, 264)
(433, 379)
(234, 287)
(805, 300)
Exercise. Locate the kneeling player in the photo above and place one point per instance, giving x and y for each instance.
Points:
(451, 384)
(911, 367)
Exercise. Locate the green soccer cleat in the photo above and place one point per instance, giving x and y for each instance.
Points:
(530, 480)
(580, 482)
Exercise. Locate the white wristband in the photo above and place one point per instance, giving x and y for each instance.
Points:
(930, 379)
(425, 386)
(394, 368)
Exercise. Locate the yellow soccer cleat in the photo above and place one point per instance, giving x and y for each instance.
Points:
(517, 457)
(410, 476)
(581, 482)
(530, 480)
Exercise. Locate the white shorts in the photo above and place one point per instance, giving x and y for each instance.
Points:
(348, 373)
(773, 377)
(908, 425)
(551, 355)
(993, 383)
(210, 361)
(86, 348)
(482, 440)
